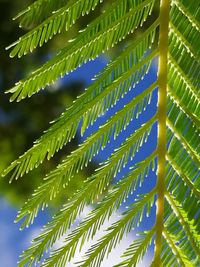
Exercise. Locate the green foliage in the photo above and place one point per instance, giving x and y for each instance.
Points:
(176, 232)
(137, 249)
(63, 18)
(14, 118)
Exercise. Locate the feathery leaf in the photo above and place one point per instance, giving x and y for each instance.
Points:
(63, 18)
(137, 249)
(95, 185)
(92, 222)
(105, 92)
(111, 27)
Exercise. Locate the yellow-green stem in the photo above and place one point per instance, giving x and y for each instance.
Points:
(162, 111)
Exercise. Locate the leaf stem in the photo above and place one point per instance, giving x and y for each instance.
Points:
(162, 116)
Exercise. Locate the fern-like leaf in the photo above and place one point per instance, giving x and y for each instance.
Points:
(37, 12)
(173, 37)
(177, 256)
(63, 18)
(99, 180)
(130, 219)
(105, 92)
(137, 250)
(92, 223)
(87, 46)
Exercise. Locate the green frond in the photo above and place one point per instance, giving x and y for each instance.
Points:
(194, 155)
(173, 226)
(111, 27)
(63, 18)
(182, 159)
(98, 140)
(184, 195)
(172, 37)
(178, 256)
(176, 33)
(192, 236)
(168, 258)
(192, 111)
(96, 184)
(103, 93)
(80, 158)
(129, 221)
(185, 68)
(38, 11)
(125, 82)
(190, 11)
(137, 249)
(186, 64)
(182, 80)
(90, 225)
(184, 31)
(183, 125)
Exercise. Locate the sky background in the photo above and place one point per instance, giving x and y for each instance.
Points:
(13, 241)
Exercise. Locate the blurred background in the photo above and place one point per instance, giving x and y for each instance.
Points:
(22, 123)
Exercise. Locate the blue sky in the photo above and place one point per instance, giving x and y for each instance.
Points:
(13, 241)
